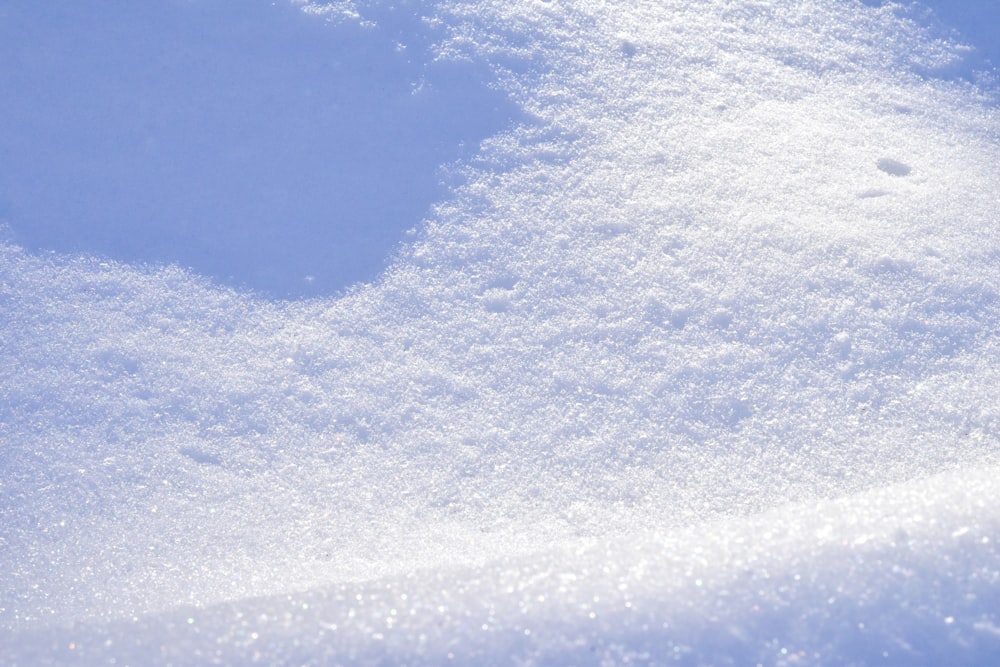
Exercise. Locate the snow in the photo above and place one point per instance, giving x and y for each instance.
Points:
(690, 357)
(256, 143)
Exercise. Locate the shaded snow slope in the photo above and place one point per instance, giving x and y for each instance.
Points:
(971, 24)
(699, 363)
(260, 146)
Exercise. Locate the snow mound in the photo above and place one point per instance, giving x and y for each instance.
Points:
(698, 364)
(902, 575)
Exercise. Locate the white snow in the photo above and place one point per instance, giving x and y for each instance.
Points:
(695, 362)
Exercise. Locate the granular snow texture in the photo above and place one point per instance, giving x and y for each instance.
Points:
(696, 364)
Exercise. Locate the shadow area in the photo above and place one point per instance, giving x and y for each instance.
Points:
(974, 24)
(265, 148)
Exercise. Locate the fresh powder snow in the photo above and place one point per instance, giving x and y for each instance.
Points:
(690, 355)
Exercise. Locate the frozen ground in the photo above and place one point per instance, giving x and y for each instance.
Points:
(690, 357)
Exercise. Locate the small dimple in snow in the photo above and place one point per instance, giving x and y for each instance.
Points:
(200, 456)
(893, 167)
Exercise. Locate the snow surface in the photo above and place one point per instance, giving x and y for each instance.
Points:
(256, 144)
(694, 360)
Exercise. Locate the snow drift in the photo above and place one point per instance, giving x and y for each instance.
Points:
(696, 363)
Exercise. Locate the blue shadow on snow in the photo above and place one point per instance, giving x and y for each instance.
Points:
(262, 147)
